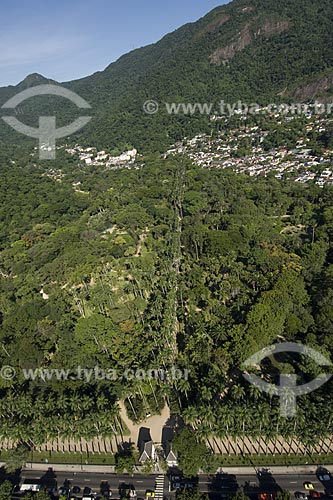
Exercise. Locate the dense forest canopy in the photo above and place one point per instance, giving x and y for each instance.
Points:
(163, 265)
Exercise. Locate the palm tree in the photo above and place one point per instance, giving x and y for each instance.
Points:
(191, 414)
(183, 386)
(238, 391)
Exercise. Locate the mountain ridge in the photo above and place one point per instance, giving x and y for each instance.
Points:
(34, 79)
(249, 50)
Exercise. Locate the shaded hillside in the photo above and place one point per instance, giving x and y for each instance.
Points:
(253, 50)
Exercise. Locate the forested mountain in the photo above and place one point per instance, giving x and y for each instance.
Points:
(253, 50)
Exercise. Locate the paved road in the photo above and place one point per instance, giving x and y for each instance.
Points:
(268, 483)
(140, 482)
(217, 486)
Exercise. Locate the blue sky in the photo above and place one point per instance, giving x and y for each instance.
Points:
(68, 39)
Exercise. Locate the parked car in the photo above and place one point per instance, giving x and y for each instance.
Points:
(308, 485)
(63, 491)
(87, 491)
(265, 496)
(76, 490)
(323, 474)
(105, 490)
(187, 486)
(301, 496)
(131, 493)
(30, 485)
(324, 477)
(315, 494)
(127, 491)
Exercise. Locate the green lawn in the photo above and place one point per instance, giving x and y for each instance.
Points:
(224, 460)
(276, 459)
(68, 458)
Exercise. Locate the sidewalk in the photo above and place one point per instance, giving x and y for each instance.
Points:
(97, 469)
(277, 470)
(110, 469)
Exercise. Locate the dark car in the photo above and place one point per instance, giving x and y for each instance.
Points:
(324, 477)
(323, 474)
(76, 490)
(51, 491)
(87, 491)
(187, 485)
(105, 490)
(175, 482)
(63, 491)
(126, 490)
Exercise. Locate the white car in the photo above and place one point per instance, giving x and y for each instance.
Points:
(301, 496)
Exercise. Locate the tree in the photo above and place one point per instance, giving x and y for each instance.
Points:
(17, 458)
(6, 489)
(148, 467)
(191, 495)
(283, 495)
(42, 495)
(240, 495)
(193, 455)
(125, 461)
